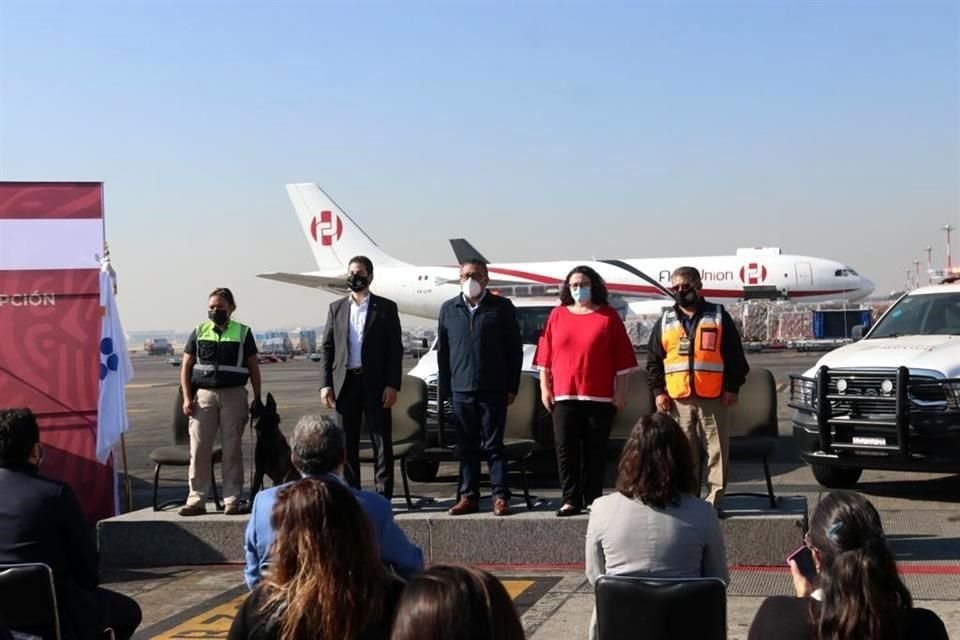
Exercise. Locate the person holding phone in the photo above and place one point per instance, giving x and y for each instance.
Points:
(695, 368)
(846, 582)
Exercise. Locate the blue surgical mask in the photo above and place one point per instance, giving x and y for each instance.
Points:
(580, 294)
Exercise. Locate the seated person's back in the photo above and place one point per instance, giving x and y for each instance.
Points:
(317, 450)
(325, 580)
(652, 526)
(41, 521)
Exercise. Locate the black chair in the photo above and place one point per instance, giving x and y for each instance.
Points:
(753, 426)
(409, 420)
(519, 440)
(639, 404)
(178, 455)
(630, 607)
(28, 600)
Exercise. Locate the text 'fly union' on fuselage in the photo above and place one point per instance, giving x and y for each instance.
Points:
(750, 274)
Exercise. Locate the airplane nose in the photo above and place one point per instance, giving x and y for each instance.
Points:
(866, 286)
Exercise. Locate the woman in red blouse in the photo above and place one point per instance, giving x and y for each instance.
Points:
(584, 357)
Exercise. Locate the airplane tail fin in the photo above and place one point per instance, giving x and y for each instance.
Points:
(333, 236)
(466, 251)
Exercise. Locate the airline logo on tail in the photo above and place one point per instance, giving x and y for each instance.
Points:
(326, 229)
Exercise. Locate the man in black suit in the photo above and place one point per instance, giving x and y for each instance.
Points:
(362, 357)
(40, 521)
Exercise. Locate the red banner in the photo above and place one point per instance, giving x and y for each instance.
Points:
(50, 234)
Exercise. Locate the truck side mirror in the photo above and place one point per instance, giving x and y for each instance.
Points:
(858, 330)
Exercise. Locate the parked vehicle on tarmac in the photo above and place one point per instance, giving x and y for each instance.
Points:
(158, 347)
(890, 400)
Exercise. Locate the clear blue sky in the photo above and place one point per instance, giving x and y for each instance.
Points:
(636, 129)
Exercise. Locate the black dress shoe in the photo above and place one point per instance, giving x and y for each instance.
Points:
(567, 511)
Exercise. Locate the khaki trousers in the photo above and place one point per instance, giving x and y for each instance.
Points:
(704, 421)
(223, 410)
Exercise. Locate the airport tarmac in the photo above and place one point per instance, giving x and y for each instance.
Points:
(921, 513)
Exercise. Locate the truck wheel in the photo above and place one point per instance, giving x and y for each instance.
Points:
(422, 470)
(836, 477)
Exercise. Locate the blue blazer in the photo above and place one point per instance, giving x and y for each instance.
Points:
(396, 550)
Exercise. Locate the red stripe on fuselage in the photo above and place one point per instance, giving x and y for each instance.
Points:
(617, 287)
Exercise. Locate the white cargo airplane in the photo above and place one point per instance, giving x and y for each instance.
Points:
(751, 274)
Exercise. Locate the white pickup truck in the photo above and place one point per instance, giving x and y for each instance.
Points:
(890, 400)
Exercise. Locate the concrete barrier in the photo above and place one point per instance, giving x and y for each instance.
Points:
(755, 535)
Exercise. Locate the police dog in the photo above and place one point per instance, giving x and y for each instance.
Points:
(272, 453)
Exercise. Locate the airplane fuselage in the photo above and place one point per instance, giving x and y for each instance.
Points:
(421, 290)
(750, 274)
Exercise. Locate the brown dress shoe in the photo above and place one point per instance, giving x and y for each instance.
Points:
(197, 509)
(501, 507)
(464, 506)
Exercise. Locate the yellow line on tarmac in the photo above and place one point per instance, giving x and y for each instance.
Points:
(215, 623)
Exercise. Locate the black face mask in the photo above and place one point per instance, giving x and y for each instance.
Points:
(357, 282)
(218, 316)
(688, 298)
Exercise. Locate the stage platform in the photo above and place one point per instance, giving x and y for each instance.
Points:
(755, 535)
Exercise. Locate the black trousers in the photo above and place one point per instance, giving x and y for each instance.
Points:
(581, 429)
(85, 614)
(122, 613)
(354, 404)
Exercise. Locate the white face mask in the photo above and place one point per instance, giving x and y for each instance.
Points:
(471, 288)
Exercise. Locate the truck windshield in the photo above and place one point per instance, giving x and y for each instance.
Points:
(532, 320)
(924, 315)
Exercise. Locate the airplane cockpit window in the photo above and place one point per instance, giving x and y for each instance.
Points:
(846, 271)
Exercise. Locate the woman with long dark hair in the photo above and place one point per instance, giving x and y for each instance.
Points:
(325, 580)
(448, 602)
(654, 525)
(584, 357)
(857, 593)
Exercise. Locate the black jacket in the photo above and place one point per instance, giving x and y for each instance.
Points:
(789, 618)
(479, 353)
(735, 367)
(41, 521)
(381, 353)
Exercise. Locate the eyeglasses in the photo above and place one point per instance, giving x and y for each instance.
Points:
(677, 288)
(476, 275)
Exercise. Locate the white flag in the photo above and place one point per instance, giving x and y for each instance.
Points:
(116, 369)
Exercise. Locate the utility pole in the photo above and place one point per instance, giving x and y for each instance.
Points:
(929, 251)
(916, 266)
(948, 228)
(907, 286)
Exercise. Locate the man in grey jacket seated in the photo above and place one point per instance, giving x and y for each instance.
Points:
(318, 450)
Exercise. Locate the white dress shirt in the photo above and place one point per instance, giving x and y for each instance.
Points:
(358, 318)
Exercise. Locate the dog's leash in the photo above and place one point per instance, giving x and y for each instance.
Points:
(253, 454)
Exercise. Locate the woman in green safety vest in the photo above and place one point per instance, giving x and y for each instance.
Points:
(219, 358)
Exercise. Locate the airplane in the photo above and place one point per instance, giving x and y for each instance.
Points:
(752, 274)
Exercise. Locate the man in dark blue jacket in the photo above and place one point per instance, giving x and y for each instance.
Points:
(479, 356)
(318, 450)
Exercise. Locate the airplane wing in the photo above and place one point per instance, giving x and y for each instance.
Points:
(464, 251)
(308, 280)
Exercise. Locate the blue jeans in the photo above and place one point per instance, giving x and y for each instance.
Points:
(481, 419)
